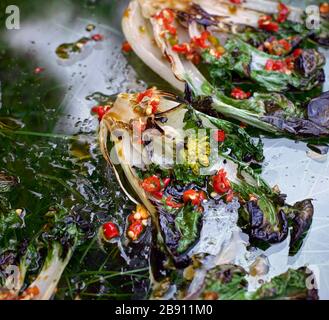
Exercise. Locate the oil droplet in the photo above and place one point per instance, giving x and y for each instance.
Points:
(64, 50)
(101, 98)
(90, 27)
(80, 150)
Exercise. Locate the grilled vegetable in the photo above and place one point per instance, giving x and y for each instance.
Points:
(173, 163)
(228, 282)
(189, 37)
(6, 184)
(273, 73)
(59, 237)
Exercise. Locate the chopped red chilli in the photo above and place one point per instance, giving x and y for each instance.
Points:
(220, 182)
(110, 230)
(151, 184)
(238, 93)
(38, 70)
(283, 12)
(219, 135)
(126, 47)
(97, 37)
(135, 230)
(193, 197)
(101, 111)
(170, 203)
(148, 102)
(200, 41)
(266, 23)
(297, 52)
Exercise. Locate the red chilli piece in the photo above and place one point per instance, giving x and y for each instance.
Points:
(283, 12)
(147, 93)
(236, 1)
(173, 204)
(126, 47)
(166, 182)
(155, 104)
(157, 194)
(201, 40)
(238, 93)
(182, 48)
(285, 44)
(97, 37)
(266, 23)
(151, 184)
(110, 230)
(167, 15)
(220, 182)
(171, 29)
(192, 196)
(38, 70)
(297, 52)
(275, 65)
(219, 135)
(135, 230)
(101, 111)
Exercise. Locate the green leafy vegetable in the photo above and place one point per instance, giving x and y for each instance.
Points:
(228, 282)
(292, 285)
(187, 221)
(248, 62)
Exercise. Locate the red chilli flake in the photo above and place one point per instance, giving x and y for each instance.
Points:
(167, 16)
(173, 204)
(285, 44)
(101, 111)
(297, 52)
(126, 47)
(97, 37)
(192, 196)
(238, 93)
(220, 182)
(110, 230)
(166, 182)
(219, 135)
(283, 12)
(135, 229)
(266, 23)
(151, 184)
(183, 48)
(275, 65)
(236, 1)
(148, 93)
(201, 40)
(38, 70)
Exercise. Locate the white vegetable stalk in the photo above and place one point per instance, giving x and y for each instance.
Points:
(181, 70)
(248, 12)
(142, 44)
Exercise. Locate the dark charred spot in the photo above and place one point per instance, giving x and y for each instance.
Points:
(318, 110)
(308, 62)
